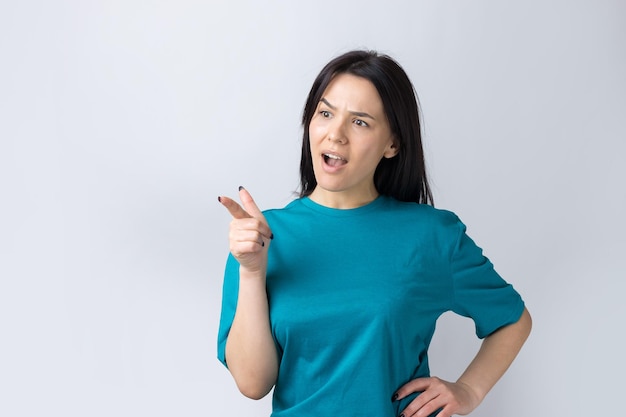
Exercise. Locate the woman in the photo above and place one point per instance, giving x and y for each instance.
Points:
(332, 301)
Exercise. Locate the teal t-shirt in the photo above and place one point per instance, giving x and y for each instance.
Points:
(354, 296)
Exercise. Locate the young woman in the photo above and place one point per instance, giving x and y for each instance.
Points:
(332, 300)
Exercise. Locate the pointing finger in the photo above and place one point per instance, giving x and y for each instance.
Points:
(251, 211)
(233, 208)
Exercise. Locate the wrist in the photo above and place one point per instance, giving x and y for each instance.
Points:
(246, 273)
(476, 396)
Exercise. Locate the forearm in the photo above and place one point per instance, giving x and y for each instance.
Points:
(250, 350)
(496, 354)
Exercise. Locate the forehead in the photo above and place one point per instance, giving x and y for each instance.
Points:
(347, 90)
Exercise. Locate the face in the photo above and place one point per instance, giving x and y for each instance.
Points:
(349, 135)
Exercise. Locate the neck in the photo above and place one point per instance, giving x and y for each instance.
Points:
(342, 200)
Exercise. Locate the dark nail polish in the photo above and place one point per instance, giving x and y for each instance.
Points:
(240, 187)
(262, 243)
(394, 397)
(272, 237)
(219, 199)
(402, 415)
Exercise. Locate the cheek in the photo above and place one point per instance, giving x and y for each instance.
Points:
(374, 154)
(315, 132)
(314, 142)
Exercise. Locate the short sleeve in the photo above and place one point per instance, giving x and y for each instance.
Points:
(479, 292)
(230, 291)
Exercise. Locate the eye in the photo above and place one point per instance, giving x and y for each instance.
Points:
(325, 114)
(361, 123)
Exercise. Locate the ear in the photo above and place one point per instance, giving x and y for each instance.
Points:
(392, 150)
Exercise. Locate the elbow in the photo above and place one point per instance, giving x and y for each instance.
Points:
(254, 378)
(254, 391)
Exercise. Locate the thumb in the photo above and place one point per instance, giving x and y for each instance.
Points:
(249, 205)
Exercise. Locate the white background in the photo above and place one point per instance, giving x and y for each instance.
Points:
(122, 121)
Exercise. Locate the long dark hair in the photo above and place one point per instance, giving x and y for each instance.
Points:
(403, 176)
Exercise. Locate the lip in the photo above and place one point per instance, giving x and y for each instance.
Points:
(334, 153)
(328, 168)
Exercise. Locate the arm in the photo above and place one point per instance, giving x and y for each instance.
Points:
(496, 354)
(250, 350)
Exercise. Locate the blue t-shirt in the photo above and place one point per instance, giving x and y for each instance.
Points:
(354, 296)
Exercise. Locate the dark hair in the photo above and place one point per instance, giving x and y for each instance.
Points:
(403, 176)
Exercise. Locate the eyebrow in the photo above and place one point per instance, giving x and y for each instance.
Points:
(356, 113)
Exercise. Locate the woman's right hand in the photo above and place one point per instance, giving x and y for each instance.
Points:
(249, 233)
(250, 349)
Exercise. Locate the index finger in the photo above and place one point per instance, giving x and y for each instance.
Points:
(415, 385)
(234, 208)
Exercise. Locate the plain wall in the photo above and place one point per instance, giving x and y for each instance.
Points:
(122, 121)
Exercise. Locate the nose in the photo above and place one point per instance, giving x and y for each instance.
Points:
(336, 132)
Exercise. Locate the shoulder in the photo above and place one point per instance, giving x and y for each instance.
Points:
(438, 226)
(294, 207)
(421, 212)
(385, 211)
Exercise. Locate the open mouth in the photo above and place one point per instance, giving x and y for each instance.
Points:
(334, 160)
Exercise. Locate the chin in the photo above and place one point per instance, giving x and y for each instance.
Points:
(331, 188)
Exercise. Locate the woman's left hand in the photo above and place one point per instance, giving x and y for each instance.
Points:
(450, 397)
(493, 358)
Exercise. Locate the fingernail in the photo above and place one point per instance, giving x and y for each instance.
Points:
(262, 243)
(394, 397)
(240, 187)
(219, 199)
(272, 236)
(402, 415)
